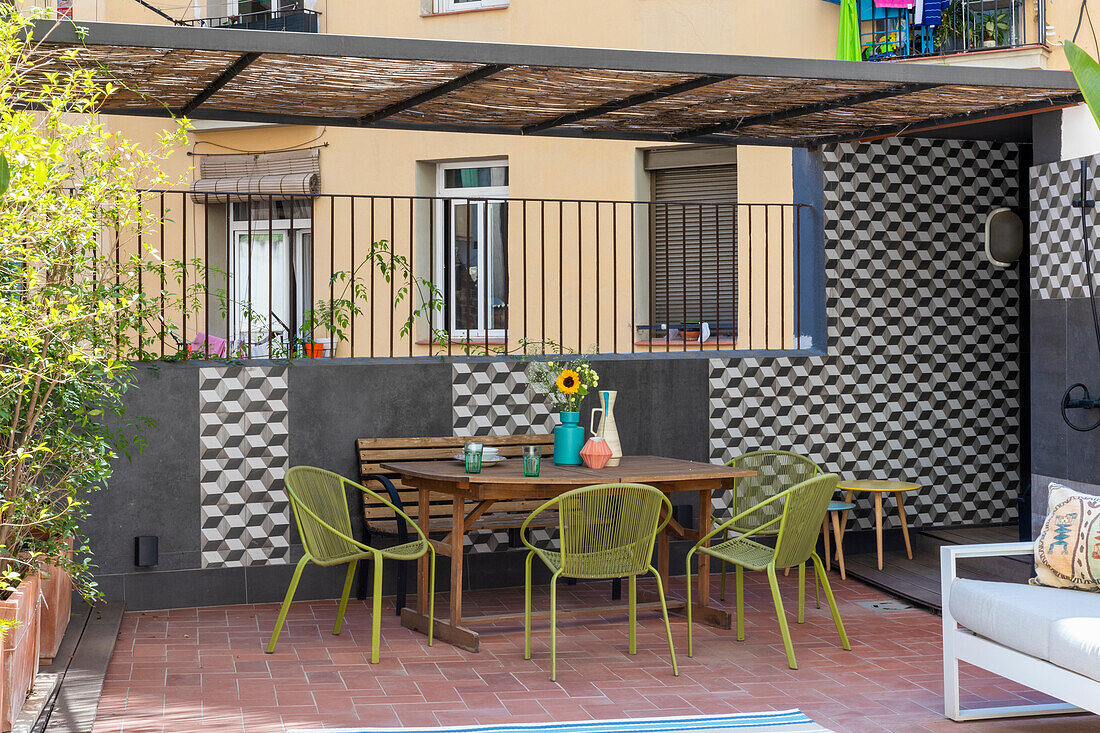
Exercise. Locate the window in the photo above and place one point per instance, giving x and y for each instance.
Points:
(693, 232)
(452, 6)
(269, 273)
(471, 247)
(271, 15)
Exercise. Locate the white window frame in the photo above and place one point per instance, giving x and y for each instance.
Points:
(447, 197)
(238, 326)
(457, 6)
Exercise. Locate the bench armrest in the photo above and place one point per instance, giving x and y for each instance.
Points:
(949, 556)
(395, 499)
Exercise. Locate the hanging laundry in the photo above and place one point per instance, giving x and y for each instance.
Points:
(928, 12)
(894, 3)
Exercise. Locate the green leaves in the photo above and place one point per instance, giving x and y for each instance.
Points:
(1087, 73)
(5, 174)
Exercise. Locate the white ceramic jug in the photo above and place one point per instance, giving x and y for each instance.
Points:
(607, 428)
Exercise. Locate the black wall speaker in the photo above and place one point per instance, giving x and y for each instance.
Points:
(146, 551)
(1004, 237)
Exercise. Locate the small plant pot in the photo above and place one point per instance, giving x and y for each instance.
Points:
(19, 648)
(989, 43)
(314, 350)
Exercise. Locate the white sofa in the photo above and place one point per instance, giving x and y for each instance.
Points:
(1045, 638)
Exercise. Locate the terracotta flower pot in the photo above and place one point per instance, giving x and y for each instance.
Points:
(19, 649)
(57, 596)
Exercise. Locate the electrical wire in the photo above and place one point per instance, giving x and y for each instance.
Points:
(297, 146)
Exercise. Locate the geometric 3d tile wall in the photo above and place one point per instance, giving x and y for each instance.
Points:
(1058, 268)
(243, 440)
(920, 379)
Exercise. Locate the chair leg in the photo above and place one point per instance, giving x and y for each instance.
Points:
(687, 576)
(527, 606)
(286, 603)
(361, 586)
(554, 627)
(344, 598)
(802, 593)
(376, 610)
(782, 616)
(722, 587)
(739, 586)
(431, 595)
(402, 591)
(668, 628)
(825, 540)
(633, 606)
(832, 602)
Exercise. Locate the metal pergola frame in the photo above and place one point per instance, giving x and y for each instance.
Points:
(860, 90)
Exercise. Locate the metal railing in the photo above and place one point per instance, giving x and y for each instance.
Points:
(397, 276)
(965, 26)
(297, 19)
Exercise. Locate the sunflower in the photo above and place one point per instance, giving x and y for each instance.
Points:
(568, 382)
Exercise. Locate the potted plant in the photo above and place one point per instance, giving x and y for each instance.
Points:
(565, 384)
(994, 27)
(72, 320)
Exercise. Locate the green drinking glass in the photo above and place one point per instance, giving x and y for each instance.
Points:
(471, 454)
(532, 458)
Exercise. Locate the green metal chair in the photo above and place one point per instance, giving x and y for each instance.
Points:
(320, 507)
(799, 512)
(776, 471)
(605, 531)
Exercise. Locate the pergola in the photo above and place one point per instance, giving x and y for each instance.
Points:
(475, 87)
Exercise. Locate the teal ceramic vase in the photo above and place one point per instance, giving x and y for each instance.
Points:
(568, 439)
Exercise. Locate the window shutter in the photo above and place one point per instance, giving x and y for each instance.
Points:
(694, 252)
(286, 174)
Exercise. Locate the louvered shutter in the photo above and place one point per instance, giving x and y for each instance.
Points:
(694, 236)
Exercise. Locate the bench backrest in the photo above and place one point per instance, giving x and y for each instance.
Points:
(375, 451)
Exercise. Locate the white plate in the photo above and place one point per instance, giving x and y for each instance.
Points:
(484, 461)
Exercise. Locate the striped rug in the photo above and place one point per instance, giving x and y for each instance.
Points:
(783, 721)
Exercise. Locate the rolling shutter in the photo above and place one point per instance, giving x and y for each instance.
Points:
(288, 174)
(694, 235)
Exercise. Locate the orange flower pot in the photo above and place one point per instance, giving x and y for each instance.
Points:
(19, 649)
(314, 351)
(57, 596)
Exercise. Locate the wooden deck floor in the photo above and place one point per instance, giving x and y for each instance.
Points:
(918, 580)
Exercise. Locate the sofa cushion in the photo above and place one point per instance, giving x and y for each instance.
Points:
(1075, 644)
(1059, 625)
(1067, 550)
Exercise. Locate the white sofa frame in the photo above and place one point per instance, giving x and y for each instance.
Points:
(1079, 693)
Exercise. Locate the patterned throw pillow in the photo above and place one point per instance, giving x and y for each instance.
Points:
(1067, 552)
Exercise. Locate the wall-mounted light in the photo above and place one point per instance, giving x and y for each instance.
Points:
(1004, 237)
(146, 551)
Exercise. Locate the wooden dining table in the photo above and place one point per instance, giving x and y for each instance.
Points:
(472, 494)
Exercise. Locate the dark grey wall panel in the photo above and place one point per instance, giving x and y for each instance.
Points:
(1048, 382)
(157, 492)
(334, 402)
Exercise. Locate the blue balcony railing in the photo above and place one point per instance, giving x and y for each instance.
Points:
(965, 26)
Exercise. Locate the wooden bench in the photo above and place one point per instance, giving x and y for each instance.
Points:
(379, 519)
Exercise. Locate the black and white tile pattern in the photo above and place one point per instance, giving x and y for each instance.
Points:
(243, 440)
(921, 377)
(494, 398)
(1057, 252)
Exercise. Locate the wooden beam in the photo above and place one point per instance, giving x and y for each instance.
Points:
(438, 91)
(806, 109)
(631, 101)
(226, 76)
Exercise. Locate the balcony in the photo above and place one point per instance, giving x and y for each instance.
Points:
(981, 27)
(296, 19)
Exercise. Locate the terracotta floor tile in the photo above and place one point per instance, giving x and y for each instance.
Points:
(205, 669)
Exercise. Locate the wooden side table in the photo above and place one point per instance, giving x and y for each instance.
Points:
(878, 488)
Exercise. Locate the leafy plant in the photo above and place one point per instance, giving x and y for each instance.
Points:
(1087, 73)
(73, 312)
(564, 383)
(995, 26)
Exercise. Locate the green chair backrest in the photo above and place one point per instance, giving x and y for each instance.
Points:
(321, 493)
(776, 471)
(803, 512)
(608, 530)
